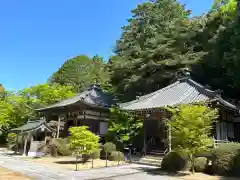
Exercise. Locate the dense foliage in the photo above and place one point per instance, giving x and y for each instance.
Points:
(191, 129)
(219, 67)
(45, 94)
(18, 107)
(82, 141)
(226, 159)
(123, 127)
(80, 72)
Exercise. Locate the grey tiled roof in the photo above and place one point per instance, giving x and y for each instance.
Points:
(31, 125)
(93, 96)
(183, 91)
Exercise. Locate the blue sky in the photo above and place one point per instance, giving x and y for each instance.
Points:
(37, 36)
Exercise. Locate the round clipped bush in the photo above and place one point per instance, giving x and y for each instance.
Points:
(116, 156)
(96, 154)
(174, 162)
(106, 150)
(200, 164)
(109, 147)
(226, 159)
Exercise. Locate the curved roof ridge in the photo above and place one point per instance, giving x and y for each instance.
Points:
(201, 87)
(144, 97)
(93, 96)
(183, 91)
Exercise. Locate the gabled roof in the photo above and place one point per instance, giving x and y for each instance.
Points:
(183, 91)
(32, 126)
(93, 96)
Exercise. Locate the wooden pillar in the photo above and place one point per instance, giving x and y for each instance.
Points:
(58, 128)
(45, 136)
(169, 138)
(22, 142)
(144, 136)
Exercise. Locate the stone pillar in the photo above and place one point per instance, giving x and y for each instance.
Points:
(25, 145)
(58, 128)
(17, 143)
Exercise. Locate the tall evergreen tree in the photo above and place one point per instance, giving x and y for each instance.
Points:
(155, 44)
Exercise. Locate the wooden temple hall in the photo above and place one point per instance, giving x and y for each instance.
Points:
(89, 108)
(184, 91)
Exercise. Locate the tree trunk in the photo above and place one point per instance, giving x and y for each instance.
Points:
(192, 163)
(76, 163)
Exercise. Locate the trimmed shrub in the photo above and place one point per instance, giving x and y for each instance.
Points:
(96, 154)
(109, 147)
(200, 164)
(174, 162)
(116, 156)
(226, 159)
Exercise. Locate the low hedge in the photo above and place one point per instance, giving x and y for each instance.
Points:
(116, 156)
(226, 159)
(174, 162)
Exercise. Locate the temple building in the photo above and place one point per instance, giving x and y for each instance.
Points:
(89, 108)
(183, 91)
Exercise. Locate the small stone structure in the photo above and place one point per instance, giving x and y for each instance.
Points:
(33, 134)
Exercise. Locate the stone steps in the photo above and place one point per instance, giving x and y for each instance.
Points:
(150, 160)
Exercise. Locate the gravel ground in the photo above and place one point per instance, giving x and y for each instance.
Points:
(42, 172)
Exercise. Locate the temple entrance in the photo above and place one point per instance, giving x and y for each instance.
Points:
(156, 134)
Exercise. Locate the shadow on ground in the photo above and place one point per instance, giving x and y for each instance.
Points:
(69, 162)
(159, 171)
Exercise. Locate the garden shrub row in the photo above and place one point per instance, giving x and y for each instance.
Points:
(175, 161)
(58, 147)
(109, 151)
(225, 161)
